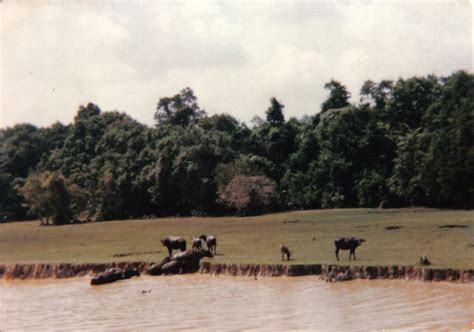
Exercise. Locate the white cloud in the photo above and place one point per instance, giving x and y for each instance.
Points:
(234, 55)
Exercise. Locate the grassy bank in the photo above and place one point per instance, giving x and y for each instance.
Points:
(309, 234)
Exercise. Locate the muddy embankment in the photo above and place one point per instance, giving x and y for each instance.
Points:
(325, 272)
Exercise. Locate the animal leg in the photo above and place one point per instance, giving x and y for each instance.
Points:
(337, 253)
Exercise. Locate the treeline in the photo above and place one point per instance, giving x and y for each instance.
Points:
(408, 142)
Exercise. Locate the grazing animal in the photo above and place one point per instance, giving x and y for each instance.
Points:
(424, 260)
(285, 251)
(113, 274)
(347, 243)
(211, 242)
(197, 244)
(173, 242)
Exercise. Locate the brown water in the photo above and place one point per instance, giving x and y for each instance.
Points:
(234, 303)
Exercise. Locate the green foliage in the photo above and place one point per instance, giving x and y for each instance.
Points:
(21, 148)
(275, 141)
(10, 199)
(48, 197)
(435, 163)
(409, 100)
(179, 110)
(408, 142)
(274, 113)
(376, 95)
(338, 96)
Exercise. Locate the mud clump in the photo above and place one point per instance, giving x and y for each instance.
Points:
(391, 228)
(326, 272)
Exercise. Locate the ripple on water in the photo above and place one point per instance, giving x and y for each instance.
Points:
(234, 303)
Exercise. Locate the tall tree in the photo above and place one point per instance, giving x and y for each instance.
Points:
(409, 100)
(21, 148)
(338, 96)
(275, 113)
(180, 110)
(376, 95)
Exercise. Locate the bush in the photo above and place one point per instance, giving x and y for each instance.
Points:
(249, 194)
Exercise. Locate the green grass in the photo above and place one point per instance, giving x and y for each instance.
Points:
(256, 239)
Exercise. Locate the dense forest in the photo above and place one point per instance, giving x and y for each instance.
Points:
(406, 142)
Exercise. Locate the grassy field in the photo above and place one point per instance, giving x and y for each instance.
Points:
(309, 235)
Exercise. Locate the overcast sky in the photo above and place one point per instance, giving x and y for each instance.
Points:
(125, 55)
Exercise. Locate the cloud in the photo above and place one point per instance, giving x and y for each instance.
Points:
(235, 55)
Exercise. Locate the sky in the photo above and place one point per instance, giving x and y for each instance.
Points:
(235, 55)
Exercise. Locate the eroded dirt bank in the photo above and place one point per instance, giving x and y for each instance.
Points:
(325, 272)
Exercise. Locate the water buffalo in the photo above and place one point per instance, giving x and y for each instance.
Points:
(113, 274)
(347, 243)
(197, 244)
(173, 242)
(184, 262)
(424, 260)
(285, 251)
(211, 242)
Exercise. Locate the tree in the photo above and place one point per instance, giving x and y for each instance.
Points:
(184, 174)
(275, 113)
(48, 197)
(376, 95)
(435, 163)
(10, 199)
(237, 132)
(338, 96)
(179, 110)
(246, 165)
(21, 148)
(274, 139)
(249, 194)
(409, 100)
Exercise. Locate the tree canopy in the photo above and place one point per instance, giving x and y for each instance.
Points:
(408, 142)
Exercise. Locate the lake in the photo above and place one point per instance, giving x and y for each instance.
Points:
(234, 303)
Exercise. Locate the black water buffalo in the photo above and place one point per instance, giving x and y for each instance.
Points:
(184, 262)
(424, 260)
(113, 274)
(173, 242)
(285, 251)
(197, 244)
(211, 242)
(347, 243)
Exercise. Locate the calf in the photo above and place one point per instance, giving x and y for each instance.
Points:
(424, 260)
(197, 245)
(285, 251)
(347, 243)
(173, 242)
(211, 242)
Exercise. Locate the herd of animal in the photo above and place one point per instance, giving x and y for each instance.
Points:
(179, 243)
(188, 261)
